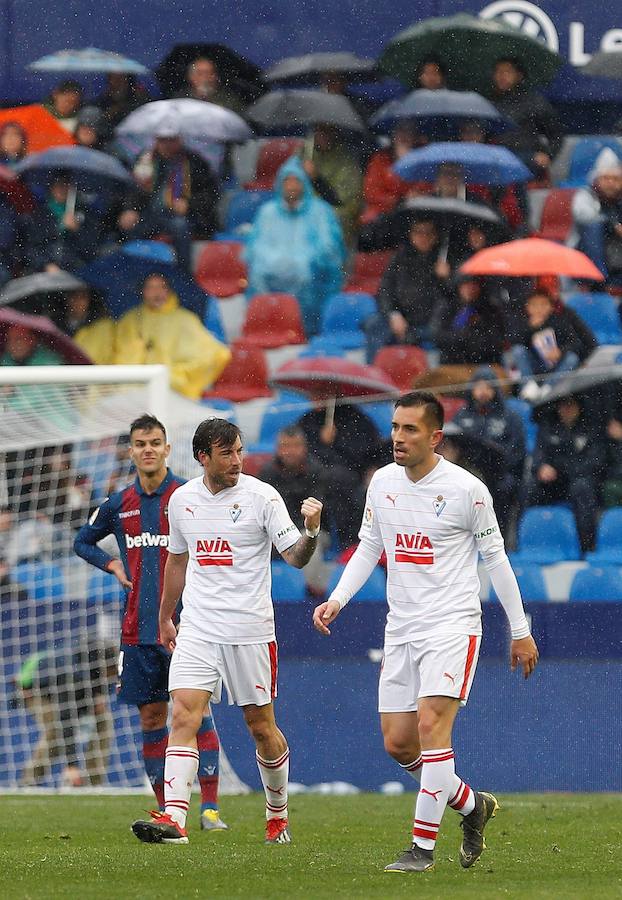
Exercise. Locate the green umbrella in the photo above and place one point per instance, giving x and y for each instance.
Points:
(468, 47)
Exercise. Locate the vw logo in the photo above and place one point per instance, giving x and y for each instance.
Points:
(528, 17)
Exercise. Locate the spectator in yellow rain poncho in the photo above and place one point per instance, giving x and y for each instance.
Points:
(158, 330)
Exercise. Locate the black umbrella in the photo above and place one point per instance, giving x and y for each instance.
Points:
(310, 68)
(448, 213)
(236, 73)
(41, 283)
(281, 113)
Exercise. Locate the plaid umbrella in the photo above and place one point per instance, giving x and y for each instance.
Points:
(90, 59)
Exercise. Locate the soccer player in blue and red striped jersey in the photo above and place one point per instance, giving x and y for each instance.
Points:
(137, 516)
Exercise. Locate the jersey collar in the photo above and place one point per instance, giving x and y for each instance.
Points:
(167, 480)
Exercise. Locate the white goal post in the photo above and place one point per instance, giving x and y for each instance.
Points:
(63, 449)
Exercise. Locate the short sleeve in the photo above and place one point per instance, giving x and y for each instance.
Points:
(483, 522)
(177, 543)
(277, 522)
(370, 529)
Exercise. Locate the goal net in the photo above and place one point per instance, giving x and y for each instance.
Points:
(63, 450)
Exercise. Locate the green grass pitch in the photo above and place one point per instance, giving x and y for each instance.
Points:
(539, 846)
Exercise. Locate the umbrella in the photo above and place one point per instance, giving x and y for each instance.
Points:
(606, 64)
(87, 169)
(15, 191)
(281, 113)
(42, 283)
(481, 163)
(47, 334)
(331, 377)
(603, 366)
(440, 113)
(88, 60)
(236, 73)
(468, 47)
(194, 119)
(531, 257)
(42, 129)
(120, 274)
(310, 68)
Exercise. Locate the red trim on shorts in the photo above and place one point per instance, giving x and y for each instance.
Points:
(469, 665)
(274, 667)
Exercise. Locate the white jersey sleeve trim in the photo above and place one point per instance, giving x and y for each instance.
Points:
(506, 588)
(358, 569)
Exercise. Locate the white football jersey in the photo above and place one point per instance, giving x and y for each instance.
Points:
(431, 531)
(229, 537)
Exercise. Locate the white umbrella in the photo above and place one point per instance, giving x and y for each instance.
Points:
(189, 118)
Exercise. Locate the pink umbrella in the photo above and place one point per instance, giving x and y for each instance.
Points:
(47, 333)
(330, 378)
(531, 256)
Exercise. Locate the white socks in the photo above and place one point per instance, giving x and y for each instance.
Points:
(180, 770)
(274, 777)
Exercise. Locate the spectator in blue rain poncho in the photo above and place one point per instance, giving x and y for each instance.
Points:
(296, 245)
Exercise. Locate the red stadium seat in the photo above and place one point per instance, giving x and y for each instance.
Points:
(271, 157)
(244, 378)
(221, 270)
(367, 271)
(556, 219)
(273, 320)
(254, 462)
(402, 363)
(451, 405)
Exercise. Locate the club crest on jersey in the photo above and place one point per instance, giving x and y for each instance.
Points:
(414, 548)
(439, 504)
(235, 512)
(214, 552)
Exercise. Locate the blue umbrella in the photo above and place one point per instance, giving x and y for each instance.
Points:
(440, 113)
(481, 163)
(88, 60)
(119, 276)
(90, 170)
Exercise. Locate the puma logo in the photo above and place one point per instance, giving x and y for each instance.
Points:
(170, 783)
(392, 499)
(431, 793)
(190, 509)
(451, 677)
(275, 790)
(480, 503)
(260, 687)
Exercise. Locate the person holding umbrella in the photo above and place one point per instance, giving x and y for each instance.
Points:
(183, 190)
(382, 188)
(538, 134)
(203, 83)
(64, 103)
(467, 326)
(122, 95)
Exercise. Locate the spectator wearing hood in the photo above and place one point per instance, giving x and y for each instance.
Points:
(64, 103)
(296, 245)
(568, 462)
(183, 191)
(597, 215)
(551, 345)
(467, 326)
(91, 129)
(537, 136)
(85, 319)
(159, 330)
(412, 286)
(488, 420)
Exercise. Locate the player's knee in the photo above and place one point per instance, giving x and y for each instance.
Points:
(399, 747)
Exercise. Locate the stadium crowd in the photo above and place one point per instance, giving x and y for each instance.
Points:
(334, 221)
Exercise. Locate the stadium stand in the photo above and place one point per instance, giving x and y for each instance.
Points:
(595, 584)
(546, 534)
(242, 208)
(244, 378)
(555, 222)
(288, 584)
(583, 157)
(608, 550)
(367, 270)
(271, 157)
(402, 364)
(273, 320)
(374, 588)
(601, 314)
(220, 270)
(284, 410)
(344, 316)
(530, 581)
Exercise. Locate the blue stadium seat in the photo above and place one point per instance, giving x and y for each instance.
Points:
(321, 345)
(102, 587)
(284, 410)
(44, 581)
(381, 414)
(343, 317)
(584, 155)
(600, 313)
(608, 550)
(287, 583)
(242, 208)
(530, 581)
(524, 411)
(375, 588)
(596, 584)
(546, 535)
(213, 320)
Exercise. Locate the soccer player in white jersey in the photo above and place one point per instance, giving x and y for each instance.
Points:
(221, 529)
(432, 518)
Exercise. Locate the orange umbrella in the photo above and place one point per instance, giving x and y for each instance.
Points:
(42, 129)
(530, 257)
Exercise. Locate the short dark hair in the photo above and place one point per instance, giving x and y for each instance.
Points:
(68, 85)
(214, 433)
(155, 274)
(433, 407)
(540, 292)
(293, 431)
(513, 61)
(146, 422)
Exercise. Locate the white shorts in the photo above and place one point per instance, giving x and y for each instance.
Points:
(435, 666)
(248, 671)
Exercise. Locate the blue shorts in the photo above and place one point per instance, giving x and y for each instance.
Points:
(143, 674)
